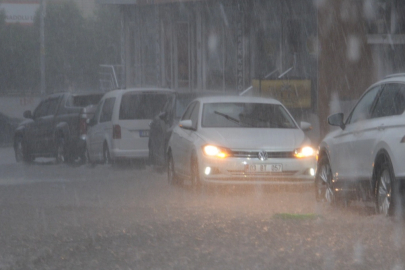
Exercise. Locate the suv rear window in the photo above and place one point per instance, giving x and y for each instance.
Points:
(83, 100)
(141, 105)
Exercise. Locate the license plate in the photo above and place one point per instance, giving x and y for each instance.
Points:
(257, 168)
(144, 133)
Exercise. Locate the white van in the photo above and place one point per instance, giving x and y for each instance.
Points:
(120, 126)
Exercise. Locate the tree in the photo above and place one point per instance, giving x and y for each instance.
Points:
(74, 49)
(75, 46)
(19, 54)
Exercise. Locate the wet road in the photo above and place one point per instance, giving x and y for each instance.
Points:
(128, 217)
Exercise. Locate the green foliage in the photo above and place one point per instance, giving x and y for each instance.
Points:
(74, 48)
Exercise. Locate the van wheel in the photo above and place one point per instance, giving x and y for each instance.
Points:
(106, 154)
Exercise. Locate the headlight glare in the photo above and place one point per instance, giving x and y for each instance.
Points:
(214, 151)
(304, 152)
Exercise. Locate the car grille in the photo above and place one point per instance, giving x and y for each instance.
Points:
(276, 174)
(254, 154)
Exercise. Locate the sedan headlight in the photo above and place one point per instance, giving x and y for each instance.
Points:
(215, 151)
(306, 151)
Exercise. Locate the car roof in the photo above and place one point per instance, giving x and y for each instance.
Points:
(74, 93)
(196, 94)
(230, 98)
(86, 93)
(144, 89)
(119, 92)
(392, 78)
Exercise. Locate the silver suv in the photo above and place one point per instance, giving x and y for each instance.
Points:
(364, 158)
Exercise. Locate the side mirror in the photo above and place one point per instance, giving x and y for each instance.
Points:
(336, 120)
(186, 124)
(305, 126)
(27, 114)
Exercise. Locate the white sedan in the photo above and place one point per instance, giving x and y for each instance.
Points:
(239, 140)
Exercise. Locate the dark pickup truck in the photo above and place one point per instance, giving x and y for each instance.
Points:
(57, 128)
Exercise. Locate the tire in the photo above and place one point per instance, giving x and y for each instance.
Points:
(21, 152)
(385, 189)
(18, 149)
(323, 183)
(106, 155)
(171, 173)
(61, 151)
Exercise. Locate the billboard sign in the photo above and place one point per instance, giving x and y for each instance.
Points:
(292, 93)
(20, 12)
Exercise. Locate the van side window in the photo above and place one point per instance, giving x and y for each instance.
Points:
(98, 111)
(107, 110)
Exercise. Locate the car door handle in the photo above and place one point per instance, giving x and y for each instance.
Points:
(380, 128)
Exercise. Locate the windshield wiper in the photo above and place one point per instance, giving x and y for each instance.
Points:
(230, 118)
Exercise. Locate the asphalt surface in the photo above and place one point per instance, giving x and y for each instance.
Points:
(127, 217)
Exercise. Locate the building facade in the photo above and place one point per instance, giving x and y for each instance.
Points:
(231, 46)
(317, 57)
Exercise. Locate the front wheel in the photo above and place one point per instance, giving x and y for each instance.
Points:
(21, 151)
(384, 190)
(324, 182)
(171, 173)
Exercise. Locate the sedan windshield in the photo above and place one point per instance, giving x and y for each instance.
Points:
(254, 115)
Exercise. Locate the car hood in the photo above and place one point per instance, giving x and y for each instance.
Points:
(255, 138)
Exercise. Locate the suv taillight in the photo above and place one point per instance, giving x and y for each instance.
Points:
(116, 132)
(82, 126)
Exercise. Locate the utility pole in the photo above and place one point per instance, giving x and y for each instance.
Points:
(42, 46)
